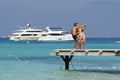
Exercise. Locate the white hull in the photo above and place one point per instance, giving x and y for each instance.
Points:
(56, 38)
(17, 38)
(40, 38)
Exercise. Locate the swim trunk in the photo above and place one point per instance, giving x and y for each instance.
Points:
(75, 37)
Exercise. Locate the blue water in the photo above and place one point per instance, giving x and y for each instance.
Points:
(22, 61)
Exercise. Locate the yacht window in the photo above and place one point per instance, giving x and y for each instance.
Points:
(44, 34)
(55, 34)
(26, 34)
(34, 34)
(33, 31)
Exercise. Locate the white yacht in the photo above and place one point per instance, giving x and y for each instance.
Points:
(55, 34)
(28, 33)
(51, 34)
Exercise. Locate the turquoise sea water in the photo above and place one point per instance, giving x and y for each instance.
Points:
(22, 61)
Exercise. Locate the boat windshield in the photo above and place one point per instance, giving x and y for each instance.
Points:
(55, 28)
(33, 31)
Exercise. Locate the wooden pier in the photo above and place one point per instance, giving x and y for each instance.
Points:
(67, 54)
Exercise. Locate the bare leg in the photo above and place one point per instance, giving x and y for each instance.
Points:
(84, 40)
(75, 45)
(79, 43)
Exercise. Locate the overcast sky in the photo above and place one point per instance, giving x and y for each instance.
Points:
(102, 16)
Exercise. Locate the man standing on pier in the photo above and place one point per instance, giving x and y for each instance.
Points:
(75, 35)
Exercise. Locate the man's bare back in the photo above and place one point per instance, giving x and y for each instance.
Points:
(74, 30)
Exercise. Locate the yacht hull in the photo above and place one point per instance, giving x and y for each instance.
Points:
(23, 38)
(56, 38)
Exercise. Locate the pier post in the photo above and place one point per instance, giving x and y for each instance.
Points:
(67, 59)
